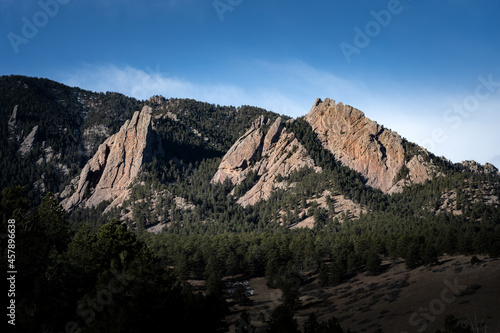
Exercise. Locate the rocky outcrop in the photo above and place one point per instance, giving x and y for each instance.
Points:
(417, 171)
(157, 100)
(28, 142)
(367, 147)
(487, 169)
(268, 150)
(241, 154)
(12, 123)
(490, 169)
(108, 174)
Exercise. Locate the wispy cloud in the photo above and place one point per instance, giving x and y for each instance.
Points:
(143, 84)
(287, 88)
(291, 88)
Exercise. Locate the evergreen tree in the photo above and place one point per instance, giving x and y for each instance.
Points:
(282, 321)
(52, 221)
(373, 263)
(311, 325)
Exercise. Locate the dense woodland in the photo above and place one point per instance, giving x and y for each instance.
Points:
(104, 281)
(73, 122)
(96, 274)
(63, 115)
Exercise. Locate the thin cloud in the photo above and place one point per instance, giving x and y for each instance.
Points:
(142, 84)
(291, 88)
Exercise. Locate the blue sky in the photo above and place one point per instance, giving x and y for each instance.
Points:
(429, 70)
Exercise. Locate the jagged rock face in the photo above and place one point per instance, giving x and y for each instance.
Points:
(487, 169)
(12, 123)
(269, 154)
(418, 172)
(363, 145)
(490, 169)
(157, 100)
(28, 141)
(108, 174)
(241, 154)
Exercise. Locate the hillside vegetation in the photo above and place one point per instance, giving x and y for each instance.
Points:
(178, 226)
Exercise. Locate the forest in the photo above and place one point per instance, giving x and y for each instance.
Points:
(95, 271)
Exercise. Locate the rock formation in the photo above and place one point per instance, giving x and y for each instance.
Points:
(487, 169)
(108, 174)
(28, 142)
(268, 150)
(363, 145)
(12, 123)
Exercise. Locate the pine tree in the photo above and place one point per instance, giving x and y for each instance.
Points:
(311, 325)
(52, 222)
(282, 321)
(373, 263)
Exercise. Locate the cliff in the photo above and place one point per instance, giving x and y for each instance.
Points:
(377, 153)
(108, 174)
(268, 150)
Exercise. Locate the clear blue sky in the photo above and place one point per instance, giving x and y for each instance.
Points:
(428, 69)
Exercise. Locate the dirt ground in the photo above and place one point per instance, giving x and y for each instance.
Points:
(398, 300)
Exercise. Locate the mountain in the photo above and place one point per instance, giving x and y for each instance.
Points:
(50, 130)
(380, 155)
(116, 164)
(199, 203)
(266, 152)
(96, 149)
(352, 154)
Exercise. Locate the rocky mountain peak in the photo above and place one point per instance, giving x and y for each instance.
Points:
(157, 100)
(108, 174)
(367, 147)
(265, 151)
(487, 169)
